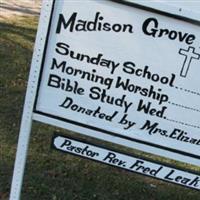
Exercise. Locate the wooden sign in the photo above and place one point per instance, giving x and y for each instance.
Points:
(126, 72)
(132, 81)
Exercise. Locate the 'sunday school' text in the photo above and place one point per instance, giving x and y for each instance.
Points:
(109, 82)
(67, 78)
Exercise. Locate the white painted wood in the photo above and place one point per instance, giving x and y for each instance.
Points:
(26, 122)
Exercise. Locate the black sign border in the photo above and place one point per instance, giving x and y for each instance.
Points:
(85, 125)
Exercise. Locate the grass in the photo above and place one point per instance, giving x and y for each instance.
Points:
(50, 175)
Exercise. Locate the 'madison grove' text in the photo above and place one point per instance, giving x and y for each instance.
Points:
(150, 27)
(98, 24)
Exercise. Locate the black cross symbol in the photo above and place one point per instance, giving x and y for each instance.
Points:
(189, 55)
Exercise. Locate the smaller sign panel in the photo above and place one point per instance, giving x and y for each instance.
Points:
(127, 162)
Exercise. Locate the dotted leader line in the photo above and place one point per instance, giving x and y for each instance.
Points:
(186, 90)
(186, 107)
(182, 106)
(183, 123)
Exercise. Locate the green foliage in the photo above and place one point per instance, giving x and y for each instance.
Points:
(50, 175)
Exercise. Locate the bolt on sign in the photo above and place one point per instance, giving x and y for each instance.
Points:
(125, 72)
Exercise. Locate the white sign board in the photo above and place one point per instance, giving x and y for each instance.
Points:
(131, 80)
(126, 72)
